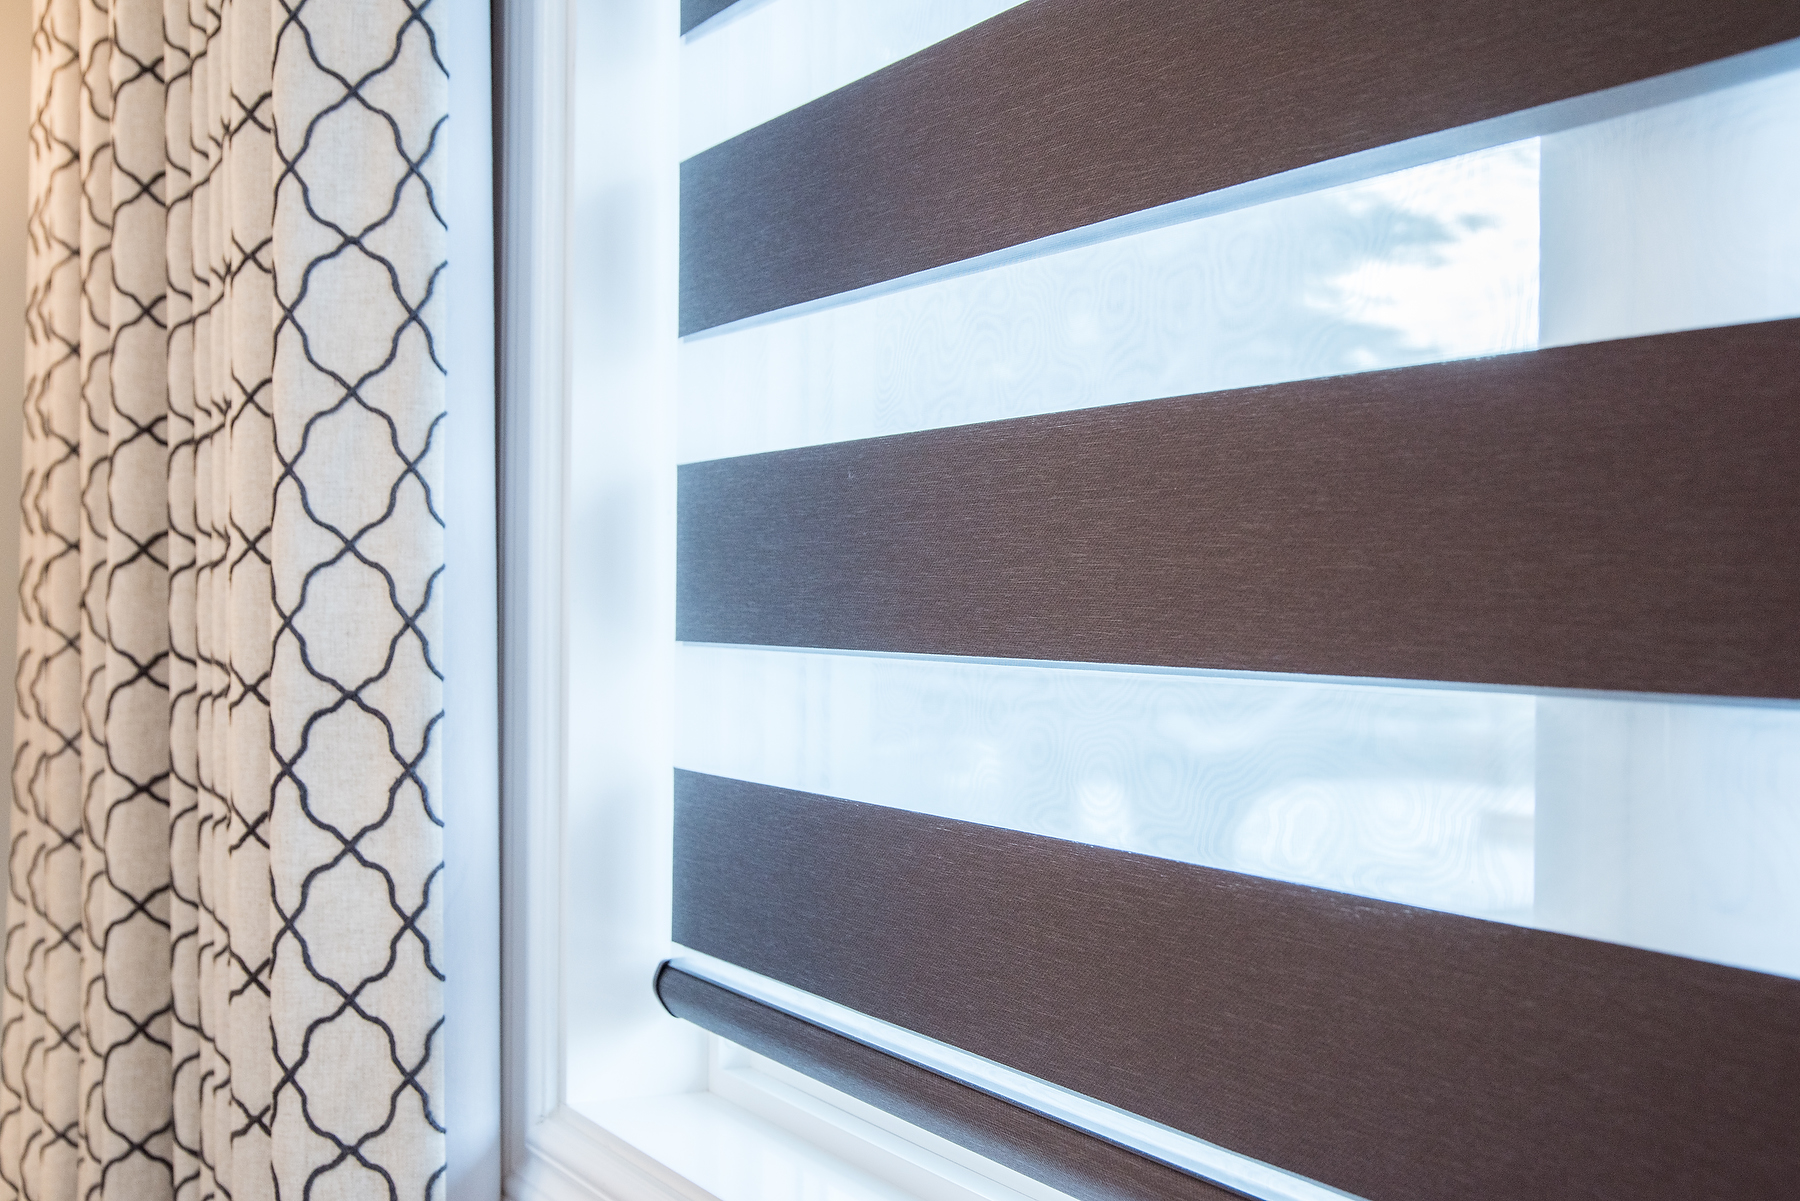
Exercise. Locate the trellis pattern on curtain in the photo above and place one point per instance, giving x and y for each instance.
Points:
(219, 968)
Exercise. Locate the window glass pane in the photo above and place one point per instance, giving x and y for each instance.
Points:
(1676, 217)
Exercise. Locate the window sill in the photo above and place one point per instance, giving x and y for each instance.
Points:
(762, 1133)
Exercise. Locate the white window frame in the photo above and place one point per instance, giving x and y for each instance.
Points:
(590, 174)
(589, 125)
(471, 747)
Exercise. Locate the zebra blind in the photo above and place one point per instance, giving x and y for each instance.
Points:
(1235, 578)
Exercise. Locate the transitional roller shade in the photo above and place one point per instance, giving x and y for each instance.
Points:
(1061, 113)
(1391, 1052)
(1616, 515)
(1580, 552)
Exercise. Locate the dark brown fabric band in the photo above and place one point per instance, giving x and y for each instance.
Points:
(1060, 113)
(1619, 515)
(693, 12)
(1397, 1053)
(1079, 1164)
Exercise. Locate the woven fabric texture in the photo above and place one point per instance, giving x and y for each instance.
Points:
(220, 974)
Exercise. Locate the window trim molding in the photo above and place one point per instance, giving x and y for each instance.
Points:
(551, 1152)
(532, 57)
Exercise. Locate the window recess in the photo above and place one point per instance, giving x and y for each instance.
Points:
(1234, 581)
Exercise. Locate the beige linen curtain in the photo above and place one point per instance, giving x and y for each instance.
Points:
(220, 978)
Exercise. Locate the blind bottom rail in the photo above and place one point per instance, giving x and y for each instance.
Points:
(1076, 1161)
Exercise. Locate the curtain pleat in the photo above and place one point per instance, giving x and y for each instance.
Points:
(220, 978)
(359, 251)
(40, 1068)
(185, 1058)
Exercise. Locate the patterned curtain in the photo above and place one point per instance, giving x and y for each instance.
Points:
(219, 968)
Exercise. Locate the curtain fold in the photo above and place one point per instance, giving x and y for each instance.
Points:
(220, 977)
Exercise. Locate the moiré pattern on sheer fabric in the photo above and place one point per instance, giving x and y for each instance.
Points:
(146, 1034)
